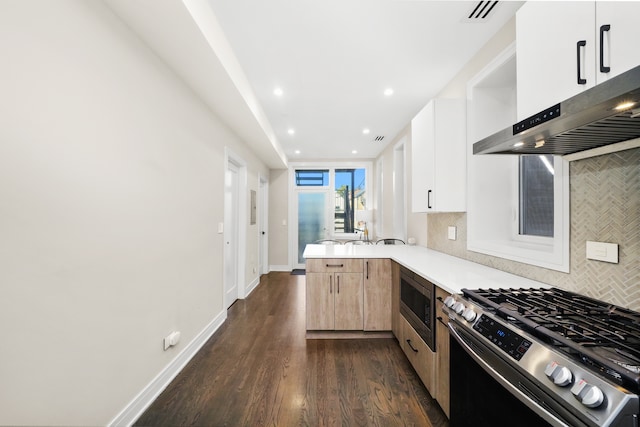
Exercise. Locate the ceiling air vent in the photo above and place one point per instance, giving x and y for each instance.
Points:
(481, 11)
(378, 138)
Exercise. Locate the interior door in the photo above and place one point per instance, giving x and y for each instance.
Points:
(231, 212)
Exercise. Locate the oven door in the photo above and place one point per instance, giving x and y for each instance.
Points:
(487, 391)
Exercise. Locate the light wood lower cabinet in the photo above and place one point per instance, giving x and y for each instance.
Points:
(419, 354)
(377, 295)
(442, 354)
(334, 294)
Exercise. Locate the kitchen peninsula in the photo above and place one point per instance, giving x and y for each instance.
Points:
(445, 271)
(362, 290)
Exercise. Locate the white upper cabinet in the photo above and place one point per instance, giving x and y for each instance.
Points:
(559, 49)
(438, 160)
(617, 25)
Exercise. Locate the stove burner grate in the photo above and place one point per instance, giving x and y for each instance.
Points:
(604, 336)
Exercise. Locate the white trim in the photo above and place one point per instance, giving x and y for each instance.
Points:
(243, 194)
(263, 222)
(505, 56)
(492, 231)
(148, 394)
(252, 286)
(331, 166)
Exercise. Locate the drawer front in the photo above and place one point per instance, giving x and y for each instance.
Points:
(420, 356)
(340, 265)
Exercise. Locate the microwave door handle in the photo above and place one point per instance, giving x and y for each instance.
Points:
(516, 392)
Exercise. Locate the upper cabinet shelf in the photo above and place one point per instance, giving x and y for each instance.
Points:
(438, 160)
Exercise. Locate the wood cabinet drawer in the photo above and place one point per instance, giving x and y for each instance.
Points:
(329, 265)
(420, 355)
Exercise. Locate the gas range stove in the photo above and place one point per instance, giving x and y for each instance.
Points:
(581, 353)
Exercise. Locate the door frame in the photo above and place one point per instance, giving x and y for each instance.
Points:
(231, 157)
(263, 224)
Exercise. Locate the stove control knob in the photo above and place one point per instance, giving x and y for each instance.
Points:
(458, 307)
(449, 301)
(469, 315)
(589, 395)
(560, 375)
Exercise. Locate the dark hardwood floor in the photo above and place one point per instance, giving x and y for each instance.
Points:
(258, 369)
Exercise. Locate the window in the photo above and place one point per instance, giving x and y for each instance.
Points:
(536, 196)
(312, 178)
(350, 197)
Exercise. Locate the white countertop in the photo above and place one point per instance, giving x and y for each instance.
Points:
(448, 272)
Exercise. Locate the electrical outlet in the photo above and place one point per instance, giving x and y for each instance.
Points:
(451, 233)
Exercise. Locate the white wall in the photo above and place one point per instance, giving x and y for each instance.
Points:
(111, 187)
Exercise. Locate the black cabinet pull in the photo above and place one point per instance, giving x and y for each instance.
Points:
(335, 265)
(338, 283)
(330, 284)
(581, 43)
(439, 299)
(429, 199)
(442, 321)
(412, 348)
(367, 270)
(603, 29)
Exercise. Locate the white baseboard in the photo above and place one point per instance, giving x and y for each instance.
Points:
(279, 268)
(145, 398)
(252, 286)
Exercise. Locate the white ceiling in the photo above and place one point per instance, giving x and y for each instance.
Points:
(333, 59)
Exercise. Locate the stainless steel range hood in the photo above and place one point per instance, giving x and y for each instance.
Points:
(607, 113)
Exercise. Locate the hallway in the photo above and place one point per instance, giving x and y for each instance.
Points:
(258, 369)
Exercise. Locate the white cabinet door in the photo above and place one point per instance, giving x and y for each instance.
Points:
(620, 50)
(438, 158)
(547, 36)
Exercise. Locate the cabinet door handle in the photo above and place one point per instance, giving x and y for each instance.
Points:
(412, 348)
(603, 29)
(335, 265)
(442, 321)
(581, 43)
(330, 284)
(439, 299)
(367, 270)
(338, 283)
(429, 199)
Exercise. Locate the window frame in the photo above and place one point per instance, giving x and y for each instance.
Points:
(331, 167)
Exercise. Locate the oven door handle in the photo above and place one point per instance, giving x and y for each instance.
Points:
(551, 418)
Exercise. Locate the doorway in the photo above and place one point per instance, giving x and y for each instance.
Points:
(235, 218)
(263, 223)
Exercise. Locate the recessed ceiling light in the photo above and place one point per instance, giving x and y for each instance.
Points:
(518, 144)
(278, 92)
(291, 131)
(354, 151)
(297, 151)
(365, 131)
(388, 92)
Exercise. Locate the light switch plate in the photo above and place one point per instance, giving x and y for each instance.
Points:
(601, 251)
(451, 233)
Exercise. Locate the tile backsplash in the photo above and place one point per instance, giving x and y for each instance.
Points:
(605, 207)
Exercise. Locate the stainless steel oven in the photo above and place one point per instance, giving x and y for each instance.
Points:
(540, 357)
(417, 304)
